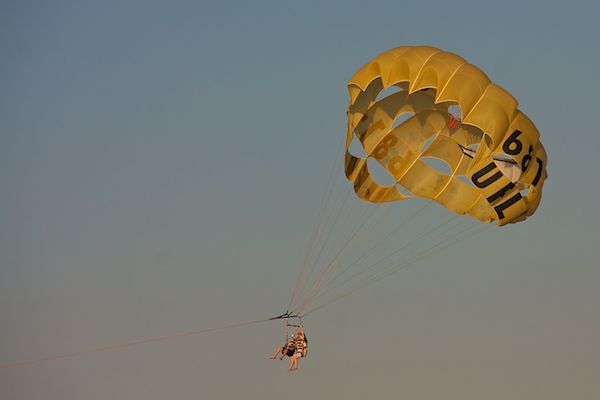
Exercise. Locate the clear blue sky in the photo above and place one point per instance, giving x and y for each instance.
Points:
(153, 179)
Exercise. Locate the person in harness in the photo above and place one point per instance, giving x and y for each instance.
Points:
(288, 349)
(294, 347)
(301, 349)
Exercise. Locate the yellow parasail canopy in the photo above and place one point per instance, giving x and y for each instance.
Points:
(497, 163)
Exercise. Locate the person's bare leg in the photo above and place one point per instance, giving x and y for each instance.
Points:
(293, 363)
(279, 350)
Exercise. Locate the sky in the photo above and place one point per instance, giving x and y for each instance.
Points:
(161, 166)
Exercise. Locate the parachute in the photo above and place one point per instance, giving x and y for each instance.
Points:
(443, 109)
(440, 131)
(495, 147)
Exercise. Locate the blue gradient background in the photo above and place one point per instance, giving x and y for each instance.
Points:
(153, 179)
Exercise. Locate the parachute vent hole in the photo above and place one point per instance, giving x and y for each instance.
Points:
(403, 190)
(470, 150)
(437, 164)
(402, 118)
(455, 111)
(388, 91)
(427, 143)
(356, 148)
(379, 174)
(504, 157)
(508, 166)
(464, 179)
(454, 117)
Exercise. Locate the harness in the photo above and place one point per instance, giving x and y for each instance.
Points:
(297, 345)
